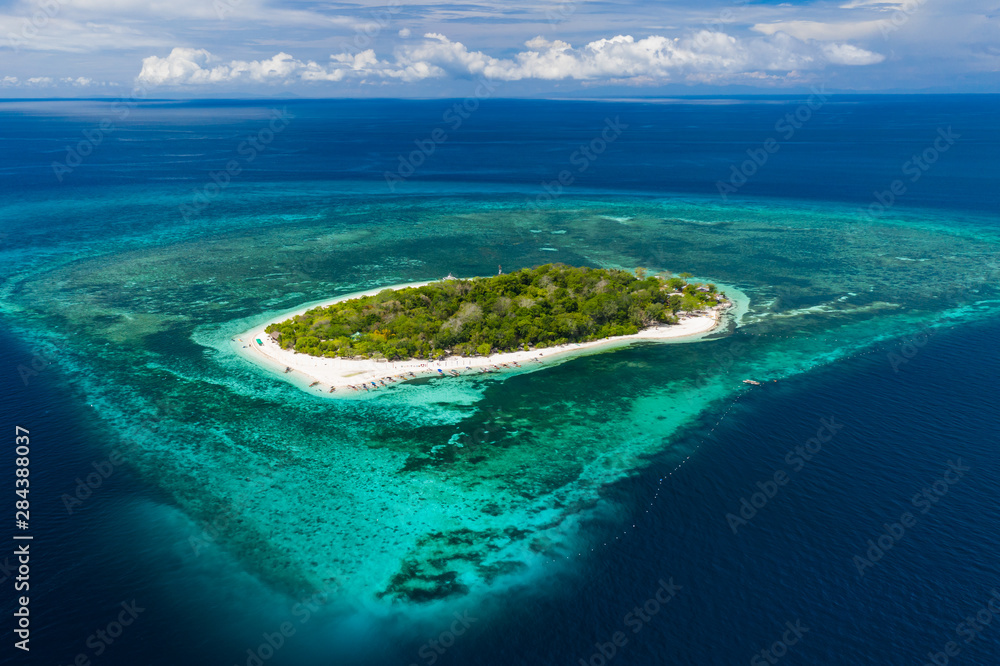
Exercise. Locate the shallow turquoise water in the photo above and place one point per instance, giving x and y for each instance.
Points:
(446, 487)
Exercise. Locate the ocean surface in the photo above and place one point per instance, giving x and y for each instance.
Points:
(641, 506)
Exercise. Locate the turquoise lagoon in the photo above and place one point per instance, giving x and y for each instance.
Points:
(443, 488)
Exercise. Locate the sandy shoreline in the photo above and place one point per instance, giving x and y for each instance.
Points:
(323, 374)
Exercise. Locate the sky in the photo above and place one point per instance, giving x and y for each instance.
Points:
(562, 48)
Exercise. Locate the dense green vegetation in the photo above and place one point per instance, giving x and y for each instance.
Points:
(539, 307)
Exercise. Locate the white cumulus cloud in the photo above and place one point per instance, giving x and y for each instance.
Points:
(705, 55)
(198, 66)
(823, 31)
(848, 54)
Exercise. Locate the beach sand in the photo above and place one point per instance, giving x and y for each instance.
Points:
(320, 374)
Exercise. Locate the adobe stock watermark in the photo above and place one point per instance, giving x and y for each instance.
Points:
(914, 168)
(86, 486)
(796, 459)
(480, 435)
(757, 157)
(909, 348)
(92, 138)
(969, 629)
(30, 25)
(730, 350)
(899, 17)
(41, 358)
(778, 649)
(272, 641)
(432, 650)
(561, 11)
(973, 625)
(719, 24)
(453, 118)
(634, 620)
(366, 33)
(224, 8)
(585, 155)
(223, 519)
(248, 150)
(105, 637)
(924, 500)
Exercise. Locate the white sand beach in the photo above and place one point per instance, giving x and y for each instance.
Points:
(347, 376)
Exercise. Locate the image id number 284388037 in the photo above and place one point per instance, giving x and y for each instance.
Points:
(21, 516)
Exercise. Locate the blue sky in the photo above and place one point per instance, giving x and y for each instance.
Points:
(576, 48)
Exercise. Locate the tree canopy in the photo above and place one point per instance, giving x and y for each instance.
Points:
(531, 308)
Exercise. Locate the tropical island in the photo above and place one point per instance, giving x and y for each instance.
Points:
(532, 308)
(451, 327)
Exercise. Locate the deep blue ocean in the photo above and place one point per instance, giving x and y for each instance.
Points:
(806, 556)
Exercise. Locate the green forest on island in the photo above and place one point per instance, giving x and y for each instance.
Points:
(531, 308)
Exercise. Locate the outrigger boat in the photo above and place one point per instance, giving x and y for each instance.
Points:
(750, 381)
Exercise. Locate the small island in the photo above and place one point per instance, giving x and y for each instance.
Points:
(456, 326)
(532, 308)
